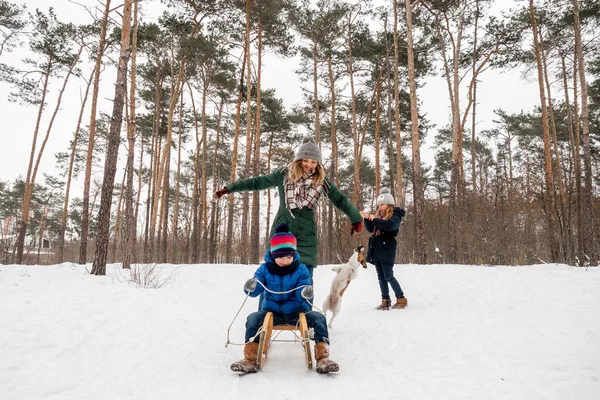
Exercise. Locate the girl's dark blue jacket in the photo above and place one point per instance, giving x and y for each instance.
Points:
(382, 245)
(288, 303)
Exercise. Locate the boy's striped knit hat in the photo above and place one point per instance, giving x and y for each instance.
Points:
(282, 243)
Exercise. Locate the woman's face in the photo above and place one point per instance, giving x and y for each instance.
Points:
(383, 207)
(309, 165)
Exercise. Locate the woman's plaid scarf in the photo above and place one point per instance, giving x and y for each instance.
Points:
(302, 194)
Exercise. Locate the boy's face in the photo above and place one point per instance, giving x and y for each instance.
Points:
(284, 261)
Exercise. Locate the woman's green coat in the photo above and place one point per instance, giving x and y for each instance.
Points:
(300, 220)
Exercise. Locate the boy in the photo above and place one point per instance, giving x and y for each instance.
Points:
(282, 272)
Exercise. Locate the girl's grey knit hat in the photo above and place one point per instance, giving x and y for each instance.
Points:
(385, 197)
(309, 149)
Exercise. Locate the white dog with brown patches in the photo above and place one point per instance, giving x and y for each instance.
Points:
(345, 273)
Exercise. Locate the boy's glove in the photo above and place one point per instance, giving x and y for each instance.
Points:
(220, 193)
(250, 285)
(356, 227)
(307, 293)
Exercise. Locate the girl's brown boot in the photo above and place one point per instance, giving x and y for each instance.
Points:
(385, 305)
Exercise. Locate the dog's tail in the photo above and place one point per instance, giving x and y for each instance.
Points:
(327, 305)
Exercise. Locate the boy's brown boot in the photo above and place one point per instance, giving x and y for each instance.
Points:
(249, 364)
(324, 364)
(385, 305)
(400, 303)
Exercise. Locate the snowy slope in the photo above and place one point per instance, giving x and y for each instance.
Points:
(470, 332)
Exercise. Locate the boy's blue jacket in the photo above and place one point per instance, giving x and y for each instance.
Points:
(288, 303)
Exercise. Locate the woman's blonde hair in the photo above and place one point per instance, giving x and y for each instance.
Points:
(387, 213)
(295, 172)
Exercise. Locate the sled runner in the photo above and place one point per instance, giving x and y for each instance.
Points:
(300, 331)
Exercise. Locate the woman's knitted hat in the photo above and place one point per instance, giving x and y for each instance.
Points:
(309, 149)
(385, 197)
(282, 243)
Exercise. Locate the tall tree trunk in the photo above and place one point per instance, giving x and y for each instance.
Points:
(153, 169)
(563, 222)
(130, 222)
(574, 144)
(399, 173)
(85, 212)
(117, 235)
(377, 151)
(214, 227)
(550, 192)
(456, 177)
(195, 243)
(244, 242)
(573, 168)
(418, 197)
(268, 224)
(356, 193)
(42, 228)
(28, 189)
(255, 245)
(334, 158)
(390, 118)
(175, 222)
(110, 166)
(474, 115)
(334, 163)
(316, 92)
(63, 220)
(590, 242)
(238, 111)
(203, 194)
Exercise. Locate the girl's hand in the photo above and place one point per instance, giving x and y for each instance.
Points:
(371, 217)
(364, 214)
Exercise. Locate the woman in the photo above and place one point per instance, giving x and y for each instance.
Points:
(382, 247)
(300, 186)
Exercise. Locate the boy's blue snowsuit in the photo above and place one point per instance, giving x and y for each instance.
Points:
(286, 307)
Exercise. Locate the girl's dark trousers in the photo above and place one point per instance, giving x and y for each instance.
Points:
(385, 275)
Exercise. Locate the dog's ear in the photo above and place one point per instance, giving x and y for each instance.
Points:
(360, 249)
(361, 258)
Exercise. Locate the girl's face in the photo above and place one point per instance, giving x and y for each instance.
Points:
(309, 165)
(383, 207)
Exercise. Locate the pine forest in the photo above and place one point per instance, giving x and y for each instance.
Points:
(188, 113)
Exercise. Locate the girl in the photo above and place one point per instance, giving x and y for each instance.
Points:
(382, 247)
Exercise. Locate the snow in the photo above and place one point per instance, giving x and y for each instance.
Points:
(469, 332)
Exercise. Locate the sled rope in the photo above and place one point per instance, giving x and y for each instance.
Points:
(261, 328)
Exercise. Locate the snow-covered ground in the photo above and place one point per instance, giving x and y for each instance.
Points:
(470, 332)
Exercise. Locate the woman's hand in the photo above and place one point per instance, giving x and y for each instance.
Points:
(220, 193)
(364, 214)
(356, 227)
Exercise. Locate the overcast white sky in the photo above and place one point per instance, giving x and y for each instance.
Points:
(507, 90)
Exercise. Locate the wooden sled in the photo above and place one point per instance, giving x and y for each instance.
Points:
(300, 332)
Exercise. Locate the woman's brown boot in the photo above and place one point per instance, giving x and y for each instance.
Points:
(249, 364)
(385, 305)
(324, 364)
(400, 303)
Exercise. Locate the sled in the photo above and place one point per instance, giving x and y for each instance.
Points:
(299, 330)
